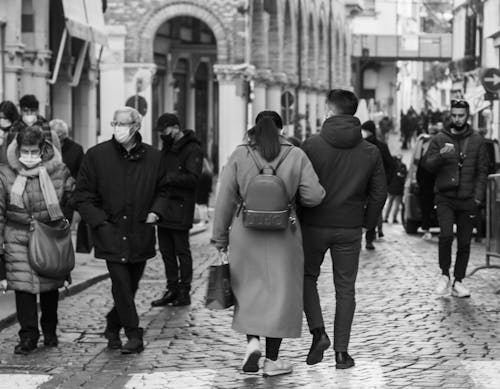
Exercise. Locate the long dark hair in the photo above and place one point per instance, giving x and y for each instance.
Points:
(265, 137)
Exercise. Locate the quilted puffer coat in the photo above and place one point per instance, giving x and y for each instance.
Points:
(15, 221)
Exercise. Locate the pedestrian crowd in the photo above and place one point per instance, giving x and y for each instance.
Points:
(280, 206)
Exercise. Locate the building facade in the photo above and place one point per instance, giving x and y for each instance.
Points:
(476, 46)
(217, 63)
(49, 49)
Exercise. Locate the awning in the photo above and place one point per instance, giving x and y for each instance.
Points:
(85, 20)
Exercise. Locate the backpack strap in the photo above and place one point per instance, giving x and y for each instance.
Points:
(283, 157)
(254, 157)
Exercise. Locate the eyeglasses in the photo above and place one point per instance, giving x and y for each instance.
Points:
(459, 103)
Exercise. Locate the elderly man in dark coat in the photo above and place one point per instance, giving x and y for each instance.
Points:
(120, 193)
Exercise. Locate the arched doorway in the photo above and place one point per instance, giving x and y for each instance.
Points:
(185, 50)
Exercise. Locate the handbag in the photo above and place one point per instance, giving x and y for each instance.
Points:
(219, 292)
(84, 241)
(50, 249)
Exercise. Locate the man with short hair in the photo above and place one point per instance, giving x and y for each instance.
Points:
(351, 171)
(458, 157)
(120, 193)
(72, 152)
(183, 161)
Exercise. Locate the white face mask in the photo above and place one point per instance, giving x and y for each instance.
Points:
(122, 134)
(29, 160)
(29, 119)
(5, 123)
(365, 133)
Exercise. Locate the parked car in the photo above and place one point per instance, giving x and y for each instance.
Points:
(411, 212)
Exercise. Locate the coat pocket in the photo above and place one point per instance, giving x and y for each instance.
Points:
(143, 241)
(106, 238)
(174, 212)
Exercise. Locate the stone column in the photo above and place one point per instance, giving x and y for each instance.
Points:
(274, 91)
(312, 101)
(321, 101)
(261, 80)
(191, 104)
(85, 117)
(302, 108)
(232, 107)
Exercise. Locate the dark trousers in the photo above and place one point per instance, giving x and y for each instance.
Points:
(124, 283)
(344, 245)
(27, 313)
(426, 201)
(176, 254)
(463, 213)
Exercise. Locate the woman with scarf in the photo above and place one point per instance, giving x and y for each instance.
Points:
(34, 184)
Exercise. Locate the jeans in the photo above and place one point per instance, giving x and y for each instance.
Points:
(176, 254)
(426, 201)
(27, 313)
(124, 283)
(344, 245)
(463, 213)
(395, 200)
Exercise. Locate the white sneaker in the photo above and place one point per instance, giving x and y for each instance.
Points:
(427, 236)
(252, 356)
(272, 368)
(443, 285)
(459, 290)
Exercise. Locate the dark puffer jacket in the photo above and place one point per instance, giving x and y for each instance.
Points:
(351, 171)
(15, 221)
(114, 193)
(183, 163)
(467, 182)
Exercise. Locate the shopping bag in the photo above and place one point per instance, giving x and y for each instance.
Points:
(84, 241)
(219, 292)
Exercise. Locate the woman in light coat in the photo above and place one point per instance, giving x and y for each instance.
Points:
(33, 184)
(267, 267)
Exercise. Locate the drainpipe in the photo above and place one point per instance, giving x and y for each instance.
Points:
(299, 63)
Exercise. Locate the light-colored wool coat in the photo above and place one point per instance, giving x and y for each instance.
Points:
(267, 267)
(15, 221)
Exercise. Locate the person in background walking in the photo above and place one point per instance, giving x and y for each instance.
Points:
(183, 161)
(396, 189)
(72, 152)
(458, 157)
(352, 173)
(8, 116)
(369, 133)
(267, 267)
(34, 184)
(120, 193)
(425, 180)
(203, 192)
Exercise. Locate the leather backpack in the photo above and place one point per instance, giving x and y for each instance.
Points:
(266, 204)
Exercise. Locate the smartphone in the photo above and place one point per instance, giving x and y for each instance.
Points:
(450, 145)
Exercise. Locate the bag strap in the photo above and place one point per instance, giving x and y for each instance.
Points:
(254, 157)
(283, 157)
(281, 160)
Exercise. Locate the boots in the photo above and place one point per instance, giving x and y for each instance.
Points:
(134, 344)
(50, 340)
(25, 346)
(113, 337)
(168, 297)
(183, 298)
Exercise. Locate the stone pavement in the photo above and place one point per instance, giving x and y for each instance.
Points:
(403, 335)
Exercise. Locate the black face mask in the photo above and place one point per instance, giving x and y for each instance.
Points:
(168, 140)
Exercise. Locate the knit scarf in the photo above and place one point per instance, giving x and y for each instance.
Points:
(48, 191)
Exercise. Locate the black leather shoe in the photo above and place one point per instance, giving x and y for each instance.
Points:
(370, 246)
(133, 346)
(113, 337)
(25, 346)
(183, 298)
(318, 347)
(50, 340)
(168, 297)
(343, 360)
(381, 234)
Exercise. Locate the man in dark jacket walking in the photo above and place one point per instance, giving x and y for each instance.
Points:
(352, 173)
(120, 193)
(458, 157)
(183, 161)
(369, 133)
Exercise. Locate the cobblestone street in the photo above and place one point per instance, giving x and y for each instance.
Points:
(403, 335)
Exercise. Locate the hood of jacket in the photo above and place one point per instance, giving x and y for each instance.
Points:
(467, 132)
(51, 157)
(189, 137)
(342, 131)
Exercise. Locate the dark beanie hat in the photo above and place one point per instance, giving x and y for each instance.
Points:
(167, 120)
(369, 126)
(28, 101)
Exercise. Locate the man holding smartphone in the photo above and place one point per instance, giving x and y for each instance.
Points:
(458, 157)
